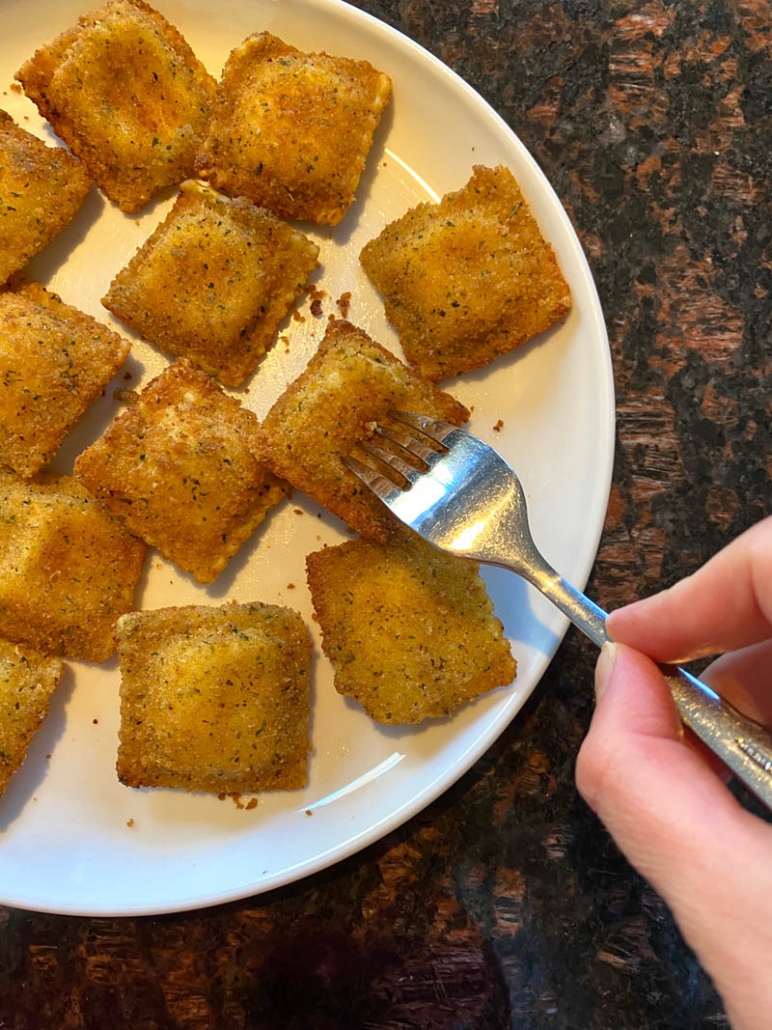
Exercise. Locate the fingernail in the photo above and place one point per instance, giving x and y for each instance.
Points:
(608, 656)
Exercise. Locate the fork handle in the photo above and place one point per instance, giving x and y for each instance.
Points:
(742, 744)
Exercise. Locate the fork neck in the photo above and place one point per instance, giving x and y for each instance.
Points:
(583, 613)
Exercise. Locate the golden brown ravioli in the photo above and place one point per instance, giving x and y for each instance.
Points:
(178, 466)
(214, 698)
(350, 383)
(128, 96)
(54, 361)
(213, 282)
(410, 631)
(292, 130)
(67, 568)
(41, 189)
(27, 680)
(468, 279)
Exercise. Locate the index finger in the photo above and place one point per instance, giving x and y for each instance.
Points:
(725, 605)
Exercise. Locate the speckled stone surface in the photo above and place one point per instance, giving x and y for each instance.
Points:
(505, 904)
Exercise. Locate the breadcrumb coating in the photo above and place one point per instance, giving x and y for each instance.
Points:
(27, 680)
(292, 130)
(67, 568)
(213, 282)
(349, 384)
(214, 699)
(128, 96)
(178, 468)
(41, 190)
(469, 279)
(410, 631)
(54, 361)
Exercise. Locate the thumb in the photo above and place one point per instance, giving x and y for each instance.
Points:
(635, 748)
(676, 822)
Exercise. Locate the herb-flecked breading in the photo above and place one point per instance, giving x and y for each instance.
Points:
(214, 698)
(213, 282)
(410, 631)
(54, 361)
(348, 385)
(41, 189)
(178, 466)
(292, 130)
(67, 568)
(468, 279)
(128, 96)
(27, 680)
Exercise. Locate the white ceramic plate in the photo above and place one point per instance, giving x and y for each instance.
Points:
(66, 843)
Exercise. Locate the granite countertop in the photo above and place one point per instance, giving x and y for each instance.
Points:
(505, 904)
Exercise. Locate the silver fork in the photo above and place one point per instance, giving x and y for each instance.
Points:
(460, 495)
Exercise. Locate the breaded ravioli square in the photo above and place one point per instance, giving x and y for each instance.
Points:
(41, 189)
(178, 467)
(292, 130)
(67, 568)
(410, 631)
(348, 385)
(54, 361)
(214, 698)
(213, 282)
(128, 96)
(27, 680)
(468, 279)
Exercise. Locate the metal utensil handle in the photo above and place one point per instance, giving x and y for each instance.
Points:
(742, 744)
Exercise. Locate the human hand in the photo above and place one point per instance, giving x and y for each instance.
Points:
(662, 796)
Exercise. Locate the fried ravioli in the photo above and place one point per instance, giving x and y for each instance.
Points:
(350, 383)
(126, 93)
(54, 361)
(468, 279)
(214, 699)
(41, 189)
(27, 680)
(213, 282)
(67, 568)
(410, 631)
(178, 467)
(292, 130)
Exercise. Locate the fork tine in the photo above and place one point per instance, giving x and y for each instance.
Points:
(432, 427)
(393, 461)
(378, 483)
(409, 443)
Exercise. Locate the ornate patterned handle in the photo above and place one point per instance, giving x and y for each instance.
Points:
(743, 745)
